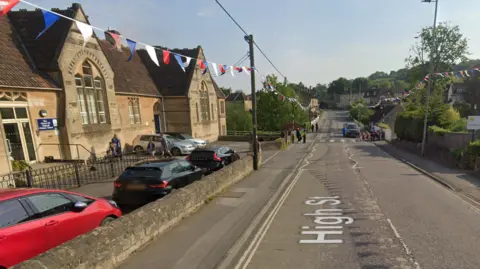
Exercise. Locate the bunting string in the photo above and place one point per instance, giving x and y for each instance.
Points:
(51, 17)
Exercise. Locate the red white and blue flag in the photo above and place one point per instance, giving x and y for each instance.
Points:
(7, 5)
(223, 69)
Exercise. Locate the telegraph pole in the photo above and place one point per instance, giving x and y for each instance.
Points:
(432, 66)
(249, 39)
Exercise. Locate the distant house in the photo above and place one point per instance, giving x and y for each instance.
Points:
(373, 96)
(240, 97)
(457, 92)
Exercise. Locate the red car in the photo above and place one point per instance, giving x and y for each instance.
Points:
(33, 221)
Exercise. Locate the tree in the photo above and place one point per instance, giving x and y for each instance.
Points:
(237, 118)
(360, 84)
(451, 47)
(377, 75)
(339, 86)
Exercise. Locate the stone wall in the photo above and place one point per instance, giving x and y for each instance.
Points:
(106, 247)
(449, 140)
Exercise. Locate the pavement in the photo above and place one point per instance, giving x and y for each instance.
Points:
(330, 203)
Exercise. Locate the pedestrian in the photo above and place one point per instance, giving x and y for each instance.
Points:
(166, 152)
(316, 127)
(313, 128)
(304, 135)
(118, 145)
(151, 147)
(299, 135)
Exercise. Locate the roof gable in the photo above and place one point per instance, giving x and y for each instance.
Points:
(46, 49)
(170, 79)
(130, 77)
(15, 68)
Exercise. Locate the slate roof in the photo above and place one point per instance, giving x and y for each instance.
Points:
(170, 78)
(46, 49)
(237, 97)
(16, 70)
(130, 77)
(219, 92)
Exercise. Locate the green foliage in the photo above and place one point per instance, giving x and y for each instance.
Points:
(451, 47)
(383, 126)
(409, 126)
(19, 166)
(459, 126)
(237, 118)
(473, 148)
(273, 113)
(339, 86)
(438, 130)
(465, 109)
(358, 111)
(458, 154)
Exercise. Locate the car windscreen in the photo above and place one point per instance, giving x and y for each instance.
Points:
(352, 127)
(186, 136)
(141, 172)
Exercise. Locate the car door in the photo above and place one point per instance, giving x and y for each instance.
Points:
(191, 172)
(55, 211)
(22, 236)
(144, 141)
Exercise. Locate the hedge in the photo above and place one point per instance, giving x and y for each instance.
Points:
(409, 126)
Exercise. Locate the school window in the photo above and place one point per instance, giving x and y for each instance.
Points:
(204, 107)
(90, 95)
(134, 111)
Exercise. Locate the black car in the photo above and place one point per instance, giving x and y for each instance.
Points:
(149, 181)
(352, 131)
(212, 158)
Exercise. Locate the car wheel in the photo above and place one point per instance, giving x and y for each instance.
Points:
(176, 152)
(138, 148)
(107, 220)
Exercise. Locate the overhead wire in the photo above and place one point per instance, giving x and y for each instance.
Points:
(255, 43)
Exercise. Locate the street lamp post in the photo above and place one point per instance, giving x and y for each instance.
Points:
(432, 68)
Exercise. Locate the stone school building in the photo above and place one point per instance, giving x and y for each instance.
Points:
(62, 99)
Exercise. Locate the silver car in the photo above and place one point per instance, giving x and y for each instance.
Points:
(178, 147)
(196, 142)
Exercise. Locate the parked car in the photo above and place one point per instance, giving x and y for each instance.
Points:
(149, 181)
(196, 142)
(178, 147)
(33, 221)
(212, 158)
(175, 146)
(352, 131)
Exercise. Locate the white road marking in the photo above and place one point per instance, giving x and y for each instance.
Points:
(342, 140)
(255, 243)
(332, 140)
(407, 250)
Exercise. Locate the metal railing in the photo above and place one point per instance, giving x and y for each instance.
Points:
(72, 175)
(247, 133)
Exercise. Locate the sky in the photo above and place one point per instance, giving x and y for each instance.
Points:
(309, 41)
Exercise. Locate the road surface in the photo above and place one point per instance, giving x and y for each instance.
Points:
(330, 203)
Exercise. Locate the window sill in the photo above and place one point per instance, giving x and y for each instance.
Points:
(88, 128)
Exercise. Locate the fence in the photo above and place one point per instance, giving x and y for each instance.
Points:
(248, 133)
(72, 175)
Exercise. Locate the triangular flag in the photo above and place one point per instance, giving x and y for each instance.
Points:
(246, 69)
(113, 39)
(222, 69)
(166, 56)
(86, 30)
(49, 18)
(201, 65)
(132, 44)
(179, 61)
(206, 68)
(152, 53)
(6, 5)
(187, 62)
(239, 69)
(231, 71)
(215, 69)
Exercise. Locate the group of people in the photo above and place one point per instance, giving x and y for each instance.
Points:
(115, 147)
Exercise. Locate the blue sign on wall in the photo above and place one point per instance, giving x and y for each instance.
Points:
(47, 124)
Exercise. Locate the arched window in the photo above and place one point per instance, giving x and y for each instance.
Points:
(134, 111)
(204, 104)
(90, 94)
